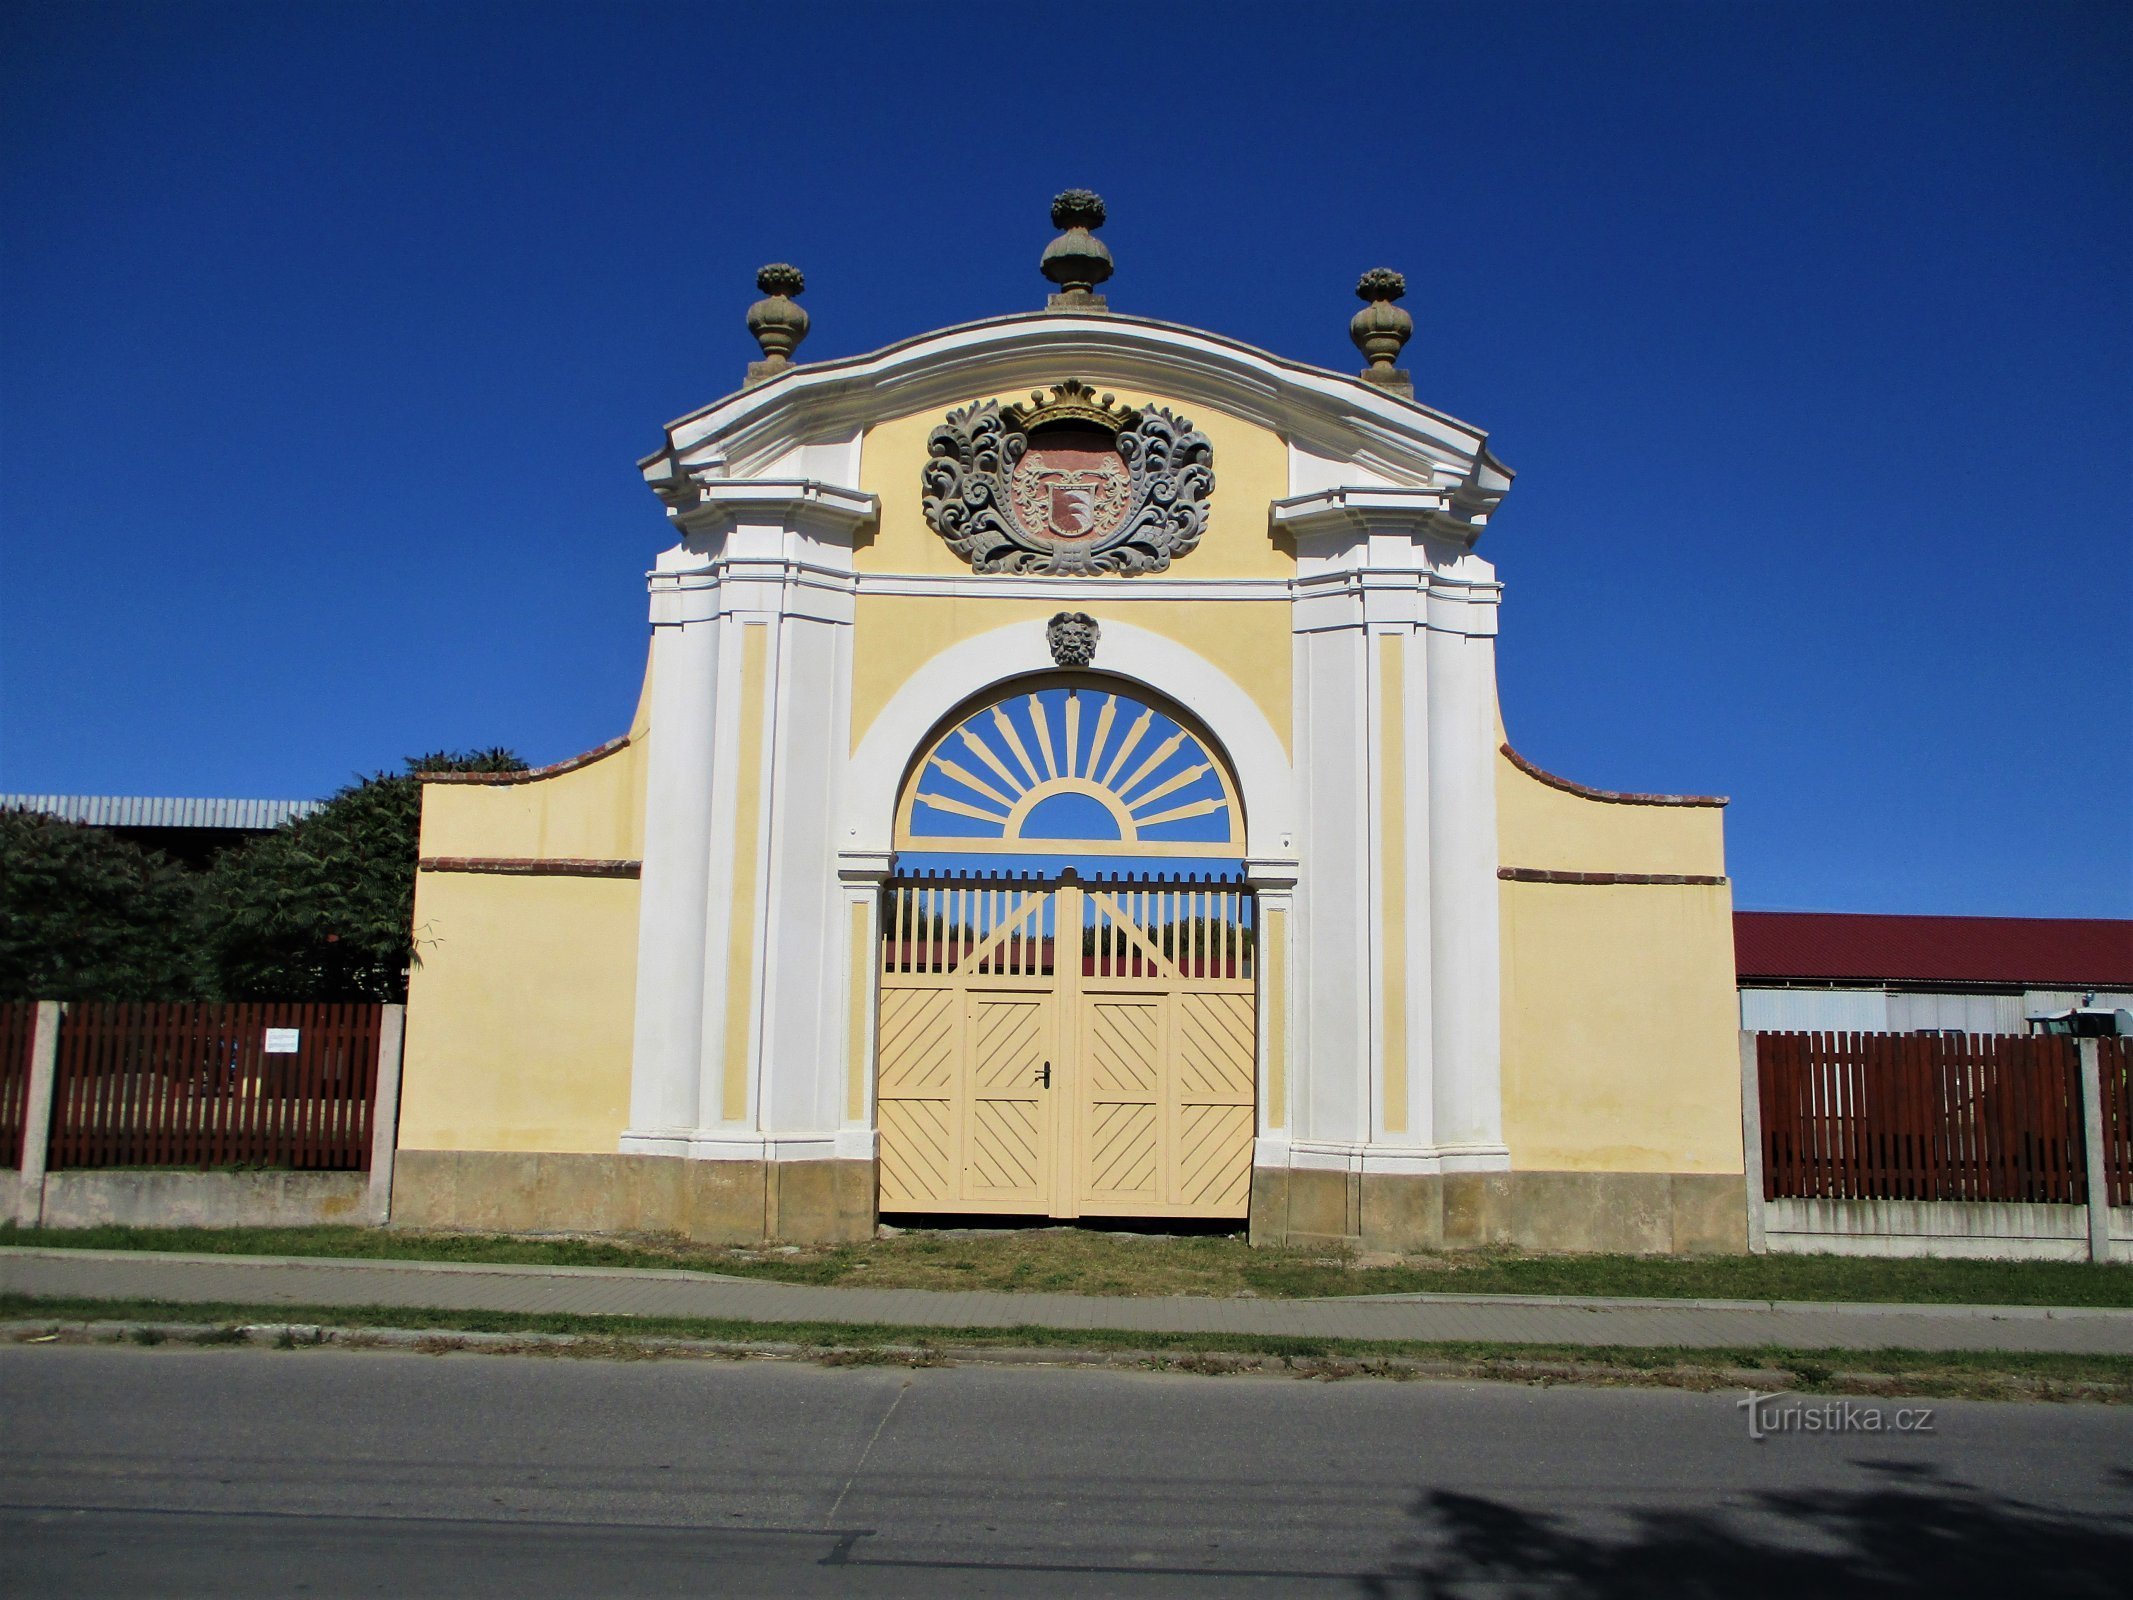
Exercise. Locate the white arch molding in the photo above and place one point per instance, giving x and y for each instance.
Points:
(987, 661)
(1125, 748)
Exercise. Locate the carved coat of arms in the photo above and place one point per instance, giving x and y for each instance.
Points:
(1069, 483)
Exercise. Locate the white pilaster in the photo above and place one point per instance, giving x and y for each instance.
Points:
(861, 874)
(1332, 1068)
(1273, 882)
(1395, 1064)
(1415, 964)
(805, 949)
(744, 948)
(1466, 962)
(674, 890)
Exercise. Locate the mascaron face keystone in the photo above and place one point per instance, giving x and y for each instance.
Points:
(1072, 636)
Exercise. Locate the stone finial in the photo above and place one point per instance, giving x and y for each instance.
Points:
(1072, 637)
(1077, 260)
(1381, 328)
(777, 323)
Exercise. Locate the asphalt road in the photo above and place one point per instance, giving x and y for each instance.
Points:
(322, 1472)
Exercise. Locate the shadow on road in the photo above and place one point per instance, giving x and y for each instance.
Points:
(1912, 1533)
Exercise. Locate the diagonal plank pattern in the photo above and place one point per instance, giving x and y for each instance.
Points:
(1122, 1083)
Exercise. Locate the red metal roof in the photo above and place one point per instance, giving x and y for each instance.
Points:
(2039, 952)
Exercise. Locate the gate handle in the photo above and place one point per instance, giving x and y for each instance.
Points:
(1044, 1075)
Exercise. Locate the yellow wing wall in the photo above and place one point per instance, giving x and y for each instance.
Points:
(519, 1019)
(1620, 1049)
(521, 1010)
(1543, 826)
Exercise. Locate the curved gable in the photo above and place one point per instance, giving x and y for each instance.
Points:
(1334, 431)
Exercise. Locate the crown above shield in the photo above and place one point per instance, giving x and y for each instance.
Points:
(1071, 483)
(1072, 401)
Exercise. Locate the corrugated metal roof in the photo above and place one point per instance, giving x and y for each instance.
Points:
(161, 811)
(1848, 947)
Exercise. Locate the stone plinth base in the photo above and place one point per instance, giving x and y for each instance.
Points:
(1611, 1212)
(826, 1202)
(714, 1202)
(1992, 1230)
(107, 1196)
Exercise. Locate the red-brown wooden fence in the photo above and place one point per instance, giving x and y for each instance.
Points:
(193, 1086)
(2115, 1057)
(1864, 1116)
(18, 1028)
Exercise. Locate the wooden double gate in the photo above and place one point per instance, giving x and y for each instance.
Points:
(1066, 1047)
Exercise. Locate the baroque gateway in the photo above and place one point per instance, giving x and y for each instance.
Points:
(1068, 781)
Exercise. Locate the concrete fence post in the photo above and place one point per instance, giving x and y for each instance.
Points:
(1751, 1135)
(2099, 1188)
(385, 1114)
(37, 1115)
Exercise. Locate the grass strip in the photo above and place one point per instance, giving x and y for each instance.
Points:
(1979, 1374)
(1081, 1260)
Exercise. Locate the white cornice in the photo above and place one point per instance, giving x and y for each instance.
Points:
(1084, 591)
(798, 503)
(1361, 512)
(864, 868)
(756, 569)
(1335, 416)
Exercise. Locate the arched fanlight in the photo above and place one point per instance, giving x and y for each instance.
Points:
(1065, 764)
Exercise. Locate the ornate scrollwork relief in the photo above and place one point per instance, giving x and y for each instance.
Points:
(1069, 483)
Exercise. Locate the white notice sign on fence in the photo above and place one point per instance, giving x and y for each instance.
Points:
(282, 1041)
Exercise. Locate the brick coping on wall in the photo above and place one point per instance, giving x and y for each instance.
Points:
(531, 774)
(534, 866)
(1544, 875)
(1611, 796)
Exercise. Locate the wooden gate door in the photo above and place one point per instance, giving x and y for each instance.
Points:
(1015, 1078)
(1008, 1137)
(968, 1033)
(1166, 1056)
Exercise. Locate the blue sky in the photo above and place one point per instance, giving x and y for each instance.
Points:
(330, 333)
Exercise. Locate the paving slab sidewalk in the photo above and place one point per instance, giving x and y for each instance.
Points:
(626, 1291)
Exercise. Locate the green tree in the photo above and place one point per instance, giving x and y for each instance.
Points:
(88, 916)
(323, 908)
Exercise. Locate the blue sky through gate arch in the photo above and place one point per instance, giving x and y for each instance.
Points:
(1091, 773)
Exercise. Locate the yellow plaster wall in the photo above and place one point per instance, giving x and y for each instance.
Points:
(1251, 471)
(1249, 640)
(520, 1015)
(521, 1011)
(1538, 825)
(595, 812)
(1620, 1051)
(1619, 1046)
